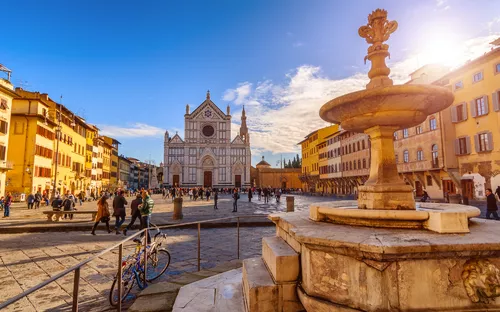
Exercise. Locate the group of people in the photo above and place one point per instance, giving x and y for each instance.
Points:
(140, 208)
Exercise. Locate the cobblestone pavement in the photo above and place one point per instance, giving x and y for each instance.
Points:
(30, 258)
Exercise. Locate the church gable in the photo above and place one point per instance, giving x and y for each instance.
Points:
(176, 140)
(208, 110)
(237, 140)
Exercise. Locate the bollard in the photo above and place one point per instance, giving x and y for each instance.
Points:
(290, 202)
(177, 209)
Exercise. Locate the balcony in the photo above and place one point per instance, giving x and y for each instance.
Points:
(6, 165)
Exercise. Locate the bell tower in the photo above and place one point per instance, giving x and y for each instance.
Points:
(244, 129)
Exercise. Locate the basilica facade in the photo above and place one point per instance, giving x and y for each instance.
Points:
(207, 156)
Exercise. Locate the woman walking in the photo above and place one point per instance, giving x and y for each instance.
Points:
(102, 214)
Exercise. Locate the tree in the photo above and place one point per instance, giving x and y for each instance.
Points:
(289, 164)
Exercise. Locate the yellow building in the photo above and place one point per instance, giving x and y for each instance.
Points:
(106, 165)
(91, 159)
(6, 95)
(32, 132)
(310, 157)
(475, 115)
(113, 168)
(98, 162)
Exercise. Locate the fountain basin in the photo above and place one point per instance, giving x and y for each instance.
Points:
(400, 106)
(436, 217)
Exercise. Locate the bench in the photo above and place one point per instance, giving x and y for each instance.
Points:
(58, 214)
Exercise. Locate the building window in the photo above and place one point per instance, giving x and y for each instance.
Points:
(420, 155)
(405, 133)
(406, 156)
(354, 165)
(359, 146)
(418, 129)
(429, 180)
(477, 77)
(483, 142)
(3, 150)
(462, 146)
(460, 112)
(364, 163)
(3, 104)
(192, 174)
(433, 123)
(350, 165)
(363, 144)
(359, 163)
(435, 155)
(4, 127)
(459, 85)
(397, 158)
(480, 106)
(395, 135)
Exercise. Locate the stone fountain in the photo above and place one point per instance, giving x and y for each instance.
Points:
(383, 252)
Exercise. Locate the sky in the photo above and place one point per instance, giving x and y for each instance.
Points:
(130, 67)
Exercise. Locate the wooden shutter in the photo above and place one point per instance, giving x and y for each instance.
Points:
(473, 112)
(454, 114)
(467, 144)
(486, 105)
(490, 142)
(457, 147)
(464, 111)
(476, 143)
(494, 97)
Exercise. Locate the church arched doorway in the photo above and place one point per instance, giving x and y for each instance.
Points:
(208, 167)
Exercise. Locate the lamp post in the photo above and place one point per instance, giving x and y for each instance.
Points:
(58, 133)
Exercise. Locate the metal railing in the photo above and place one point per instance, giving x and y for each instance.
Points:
(76, 268)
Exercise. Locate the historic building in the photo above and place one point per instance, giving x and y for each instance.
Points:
(207, 156)
(475, 116)
(265, 176)
(6, 95)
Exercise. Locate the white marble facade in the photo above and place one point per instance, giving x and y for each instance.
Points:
(207, 156)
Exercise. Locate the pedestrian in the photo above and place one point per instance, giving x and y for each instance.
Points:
(266, 195)
(216, 198)
(250, 195)
(236, 196)
(207, 194)
(425, 197)
(497, 191)
(200, 193)
(146, 209)
(38, 199)
(68, 204)
(6, 205)
(31, 201)
(134, 212)
(259, 193)
(190, 194)
(81, 197)
(103, 214)
(119, 203)
(491, 205)
(57, 203)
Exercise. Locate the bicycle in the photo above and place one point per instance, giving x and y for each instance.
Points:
(133, 266)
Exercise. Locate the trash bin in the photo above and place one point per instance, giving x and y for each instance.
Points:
(290, 203)
(177, 209)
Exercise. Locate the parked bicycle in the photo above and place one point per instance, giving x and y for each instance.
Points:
(133, 266)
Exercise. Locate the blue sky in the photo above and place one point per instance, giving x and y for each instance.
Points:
(131, 67)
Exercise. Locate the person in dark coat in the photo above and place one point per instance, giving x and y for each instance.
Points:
(134, 212)
(250, 195)
(236, 196)
(119, 203)
(497, 191)
(216, 198)
(491, 205)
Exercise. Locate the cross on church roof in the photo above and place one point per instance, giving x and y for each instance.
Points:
(208, 94)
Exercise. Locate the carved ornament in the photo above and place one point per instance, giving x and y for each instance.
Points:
(481, 280)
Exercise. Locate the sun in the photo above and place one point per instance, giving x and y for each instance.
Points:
(442, 51)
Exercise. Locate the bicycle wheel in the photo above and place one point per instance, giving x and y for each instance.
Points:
(128, 281)
(158, 262)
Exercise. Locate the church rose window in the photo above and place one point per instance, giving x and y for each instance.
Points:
(208, 131)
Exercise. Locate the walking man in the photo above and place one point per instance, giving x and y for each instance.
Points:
(119, 203)
(31, 201)
(236, 196)
(134, 212)
(216, 198)
(146, 209)
(491, 205)
(38, 199)
(250, 195)
(7, 203)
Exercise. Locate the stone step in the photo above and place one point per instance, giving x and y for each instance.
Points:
(281, 260)
(260, 292)
(229, 297)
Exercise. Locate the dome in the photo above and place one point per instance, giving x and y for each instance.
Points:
(263, 164)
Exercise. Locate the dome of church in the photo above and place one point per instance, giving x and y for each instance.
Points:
(263, 164)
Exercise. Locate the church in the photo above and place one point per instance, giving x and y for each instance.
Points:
(206, 156)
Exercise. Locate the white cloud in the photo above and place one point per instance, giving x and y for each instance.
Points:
(280, 115)
(440, 3)
(136, 130)
(298, 44)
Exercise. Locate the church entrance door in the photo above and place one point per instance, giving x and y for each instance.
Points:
(175, 182)
(207, 179)
(237, 180)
